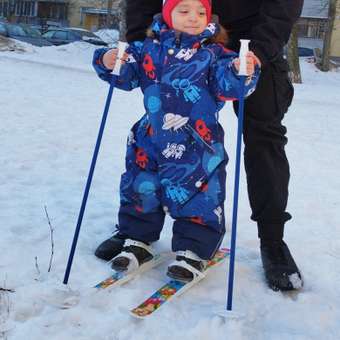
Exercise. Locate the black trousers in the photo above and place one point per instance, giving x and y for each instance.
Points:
(266, 164)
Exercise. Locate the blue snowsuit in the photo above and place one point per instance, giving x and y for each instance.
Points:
(175, 160)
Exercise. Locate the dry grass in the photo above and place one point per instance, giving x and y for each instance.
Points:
(5, 310)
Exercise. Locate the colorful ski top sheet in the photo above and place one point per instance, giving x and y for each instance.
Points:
(173, 288)
(119, 278)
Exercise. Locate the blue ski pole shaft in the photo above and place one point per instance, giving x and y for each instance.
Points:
(235, 202)
(243, 74)
(89, 181)
(121, 49)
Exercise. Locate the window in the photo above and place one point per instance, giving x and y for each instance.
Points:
(312, 28)
(34, 8)
(32, 32)
(85, 34)
(25, 8)
(4, 9)
(61, 35)
(16, 30)
(48, 34)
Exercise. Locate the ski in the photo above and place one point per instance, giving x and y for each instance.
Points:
(119, 278)
(174, 288)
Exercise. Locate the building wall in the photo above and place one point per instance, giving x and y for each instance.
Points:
(74, 11)
(335, 43)
(92, 21)
(313, 25)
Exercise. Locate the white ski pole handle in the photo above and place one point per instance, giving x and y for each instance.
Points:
(243, 57)
(121, 50)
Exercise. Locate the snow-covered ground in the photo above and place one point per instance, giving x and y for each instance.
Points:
(109, 36)
(51, 105)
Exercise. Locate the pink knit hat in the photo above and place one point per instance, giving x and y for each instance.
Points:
(169, 5)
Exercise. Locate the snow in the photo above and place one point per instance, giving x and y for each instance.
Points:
(109, 36)
(51, 105)
(315, 9)
(296, 281)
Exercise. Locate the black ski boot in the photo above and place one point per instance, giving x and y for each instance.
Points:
(187, 266)
(111, 247)
(133, 255)
(280, 269)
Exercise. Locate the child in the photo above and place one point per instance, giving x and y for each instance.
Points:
(175, 160)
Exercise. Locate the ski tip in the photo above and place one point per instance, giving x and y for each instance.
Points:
(141, 312)
(138, 314)
(146, 308)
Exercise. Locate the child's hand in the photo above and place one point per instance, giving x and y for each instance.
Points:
(252, 61)
(110, 58)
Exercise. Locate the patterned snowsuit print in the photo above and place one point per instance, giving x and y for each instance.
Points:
(175, 160)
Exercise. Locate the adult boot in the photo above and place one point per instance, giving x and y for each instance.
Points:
(280, 269)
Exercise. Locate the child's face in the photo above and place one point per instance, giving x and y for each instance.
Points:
(189, 16)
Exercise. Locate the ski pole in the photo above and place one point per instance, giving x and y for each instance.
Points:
(243, 74)
(121, 49)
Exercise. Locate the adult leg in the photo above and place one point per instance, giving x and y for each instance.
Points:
(266, 164)
(268, 174)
